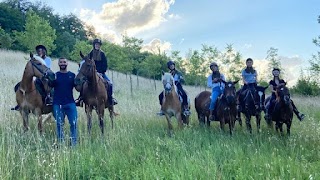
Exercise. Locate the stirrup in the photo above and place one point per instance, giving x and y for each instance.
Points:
(114, 101)
(160, 113)
(16, 108)
(187, 112)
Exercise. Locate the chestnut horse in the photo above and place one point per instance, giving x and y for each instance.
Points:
(283, 109)
(92, 86)
(201, 104)
(171, 105)
(27, 97)
(226, 106)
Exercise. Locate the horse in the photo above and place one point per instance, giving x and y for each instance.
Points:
(28, 97)
(283, 109)
(226, 107)
(249, 106)
(92, 86)
(201, 104)
(171, 105)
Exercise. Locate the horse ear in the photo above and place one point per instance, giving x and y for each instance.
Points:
(31, 55)
(235, 82)
(81, 55)
(264, 88)
(162, 72)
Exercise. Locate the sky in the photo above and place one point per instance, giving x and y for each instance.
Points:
(251, 26)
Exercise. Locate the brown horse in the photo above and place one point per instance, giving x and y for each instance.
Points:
(226, 106)
(201, 104)
(283, 109)
(92, 86)
(27, 97)
(171, 105)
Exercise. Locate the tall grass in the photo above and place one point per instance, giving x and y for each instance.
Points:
(139, 148)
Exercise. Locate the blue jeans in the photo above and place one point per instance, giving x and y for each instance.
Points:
(216, 92)
(59, 112)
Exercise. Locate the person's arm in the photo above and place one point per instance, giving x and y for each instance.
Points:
(48, 62)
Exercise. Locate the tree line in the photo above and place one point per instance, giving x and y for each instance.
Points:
(24, 24)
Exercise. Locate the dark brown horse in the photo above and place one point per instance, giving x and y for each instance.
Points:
(283, 109)
(171, 105)
(251, 104)
(201, 104)
(226, 106)
(92, 87)
(27, 97)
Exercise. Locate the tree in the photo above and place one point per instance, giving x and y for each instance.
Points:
(315, 60)
(37, 31)
(83, 46)
(274, 61)
(65, 43)
(5, 39)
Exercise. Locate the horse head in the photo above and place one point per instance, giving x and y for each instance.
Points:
(229, 92)
(168, 82)
(261, 96)
(283, 94)
(39, 69)
(87, 71)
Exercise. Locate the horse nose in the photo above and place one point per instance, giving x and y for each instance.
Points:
(51, 76)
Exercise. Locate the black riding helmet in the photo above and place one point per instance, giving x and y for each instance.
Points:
(41, 47)
(275, 69)
(96, 41)
(213, 64)
(169, 63)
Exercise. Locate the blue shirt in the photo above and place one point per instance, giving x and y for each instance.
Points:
(63, 87)
(47, 60)
(249, 77)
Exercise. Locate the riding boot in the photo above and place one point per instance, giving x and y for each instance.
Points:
(16, 108)
(186, 110)
(300, 116)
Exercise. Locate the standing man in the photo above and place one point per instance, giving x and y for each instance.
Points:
(63, 101)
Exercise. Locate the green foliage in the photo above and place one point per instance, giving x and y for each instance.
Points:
(306, 86)
(83, 46)
(38, 31)
(5, 39)
(65, 43)
(274, 61)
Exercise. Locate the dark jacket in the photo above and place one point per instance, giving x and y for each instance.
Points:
(102, 65)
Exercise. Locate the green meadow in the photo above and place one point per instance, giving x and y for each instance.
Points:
(139, 148)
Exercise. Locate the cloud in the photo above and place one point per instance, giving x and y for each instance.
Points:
(129, 17)
(247, 46)
(155, 45)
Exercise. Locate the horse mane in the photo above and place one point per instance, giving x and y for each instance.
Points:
(168, 77)
(38, 58)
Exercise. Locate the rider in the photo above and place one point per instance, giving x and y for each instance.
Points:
(42, 52)
(276, 81)
(249, 77)
(214, 82)
(178, 79)
(101, 62)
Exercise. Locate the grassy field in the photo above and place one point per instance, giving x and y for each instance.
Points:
(139, 148)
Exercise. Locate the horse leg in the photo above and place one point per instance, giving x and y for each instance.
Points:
(258, 120)
(281, 129)
(230, 126)
(180, 121)
(222, 123)
(208, 120)
(288, 127)
(248, 123)
(38, 113)
(169, 125)
(111, 113)
(239, 118)
(25, 117)
(100, 113)
(89, 117)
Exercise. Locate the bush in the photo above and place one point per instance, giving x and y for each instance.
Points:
(306, 87)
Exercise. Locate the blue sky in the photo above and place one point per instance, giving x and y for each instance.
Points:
(251, 26)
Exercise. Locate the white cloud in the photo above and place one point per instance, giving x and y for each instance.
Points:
(129, 17)
(157, 45)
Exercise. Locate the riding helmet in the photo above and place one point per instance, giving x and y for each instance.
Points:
(96, 41)
(169, 63)
(41, 47)
(276, 69)
(213, 64)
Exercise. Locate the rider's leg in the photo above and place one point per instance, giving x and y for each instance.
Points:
(16, 88)
(214, 96)
(300, 116)
(160, 113)
(184, 96)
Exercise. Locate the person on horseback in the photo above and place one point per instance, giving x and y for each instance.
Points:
(178, 80)
(41, 52)
(276, 81)
(214, 82)
(249, 77)
(101, 62)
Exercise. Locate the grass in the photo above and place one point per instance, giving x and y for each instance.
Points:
(139, 148)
